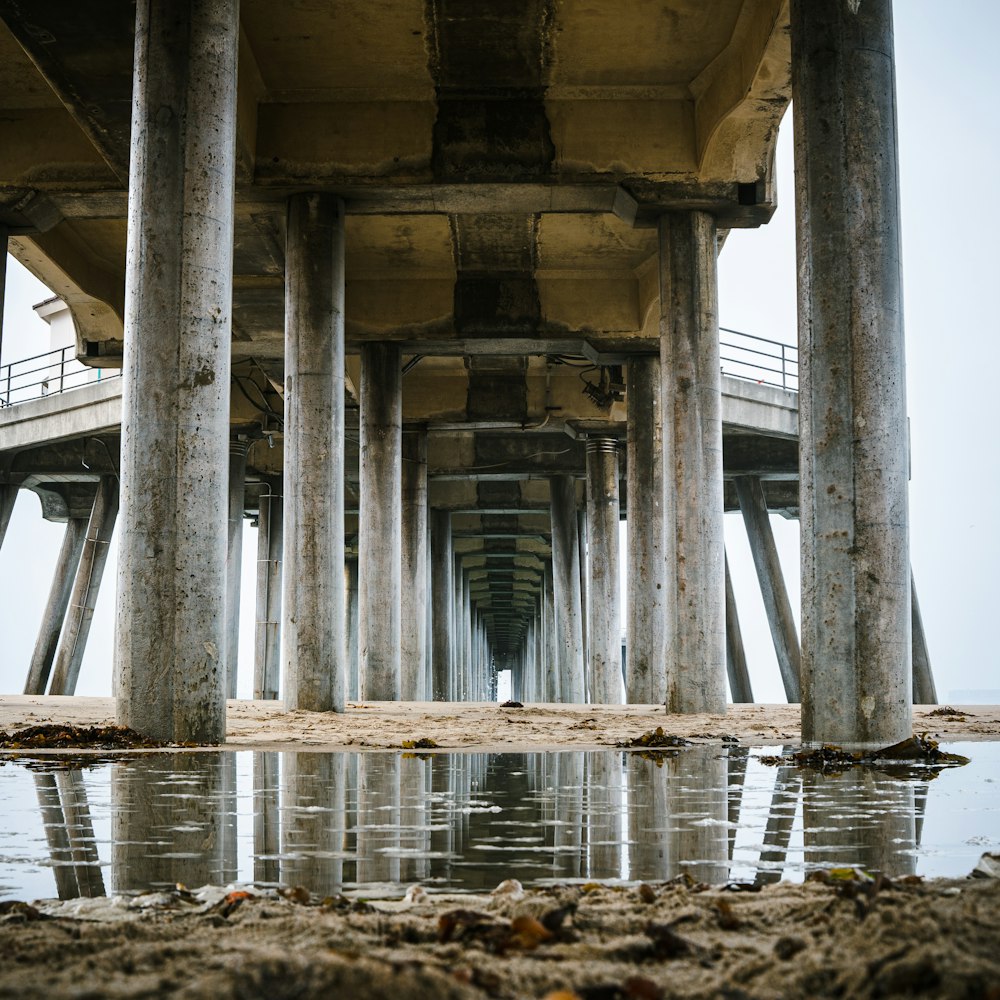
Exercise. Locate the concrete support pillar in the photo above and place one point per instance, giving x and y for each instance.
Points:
(567, 600)
(4, 237)
(442, 589)
(86, 587)
(55, 608)
(853, 447)
(234, 559)
(645, 629)
(353, 646)
(736, 659)
(413, 592)
(692, 462)
(379, 521)
(551, 689)
(171, 625)
(267, 632)
(313, 616)
(8, 496)
(581, 537)
(604, 608)
(924, 689)
(772, 583)
(468, 689)
(458, 647)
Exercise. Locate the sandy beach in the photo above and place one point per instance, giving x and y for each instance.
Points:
(262, 725)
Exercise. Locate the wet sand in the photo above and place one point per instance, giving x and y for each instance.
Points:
(843, 938)
(265, 725)
(935, 939)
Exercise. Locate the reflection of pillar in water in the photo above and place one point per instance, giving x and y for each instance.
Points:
(568, 840)
(859, 818)
(414, 816)
(649, 858)
(80, 829)
(604, 814)
(736, 766)
(439, 813)
(780, 820)
(312, 822)
(266, 834)
(378, 818)
(697, 782)
(57, 835)
(167, 821)
(227, 767)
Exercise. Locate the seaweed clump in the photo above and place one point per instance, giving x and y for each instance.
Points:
(53, 736)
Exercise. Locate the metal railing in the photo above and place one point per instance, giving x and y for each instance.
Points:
(744, 356)
(757, 359)
(47, 375)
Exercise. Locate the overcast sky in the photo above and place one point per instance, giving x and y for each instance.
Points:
(948, 83)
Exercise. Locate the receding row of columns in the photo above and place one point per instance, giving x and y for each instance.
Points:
(172, 636)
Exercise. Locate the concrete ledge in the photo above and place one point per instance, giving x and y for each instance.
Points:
(761, 409)
(92, 409)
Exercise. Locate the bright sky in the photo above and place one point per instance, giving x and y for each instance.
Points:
(948, 79)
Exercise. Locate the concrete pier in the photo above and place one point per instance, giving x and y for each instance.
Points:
(442, 589)
(170, 633)
(924, 688)
(854, 462)
(234, 558)
(604, 607)
(86, 587)
(353, 652)
(267, 635)
(55, 609)
(567, 600)
(313, 616)
(379, 525)
(551, 690)
(413, 589)
(736, 659)
(645, 627)
(8, 496)
(772, 583)
(692, 462)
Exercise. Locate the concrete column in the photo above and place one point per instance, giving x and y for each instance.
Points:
(581, 537)
(772, 582)
(171, 625)
(645, 627)
(736, 659)
(924, 690)
(234, 559)
(567, 600)
(441, 598)
(4, 236)
(604, 609)
(8, 497)
(86, 587)
(353, 651)
(267, 633)
(313, 617)
(379, 521)
(692, 462)
(55, 609)
(853, 448)
(466, 620)
(428, 617)
(413, 591)
(551, 690)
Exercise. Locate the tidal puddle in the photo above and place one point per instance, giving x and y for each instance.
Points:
(378, 822)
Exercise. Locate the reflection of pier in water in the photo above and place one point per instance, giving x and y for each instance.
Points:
(330, 821)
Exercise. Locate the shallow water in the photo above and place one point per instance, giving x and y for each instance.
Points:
(378, 822)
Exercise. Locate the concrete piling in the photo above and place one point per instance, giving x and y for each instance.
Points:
(692, 462)
(853, 449)
(313, 614)
(171, 624)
